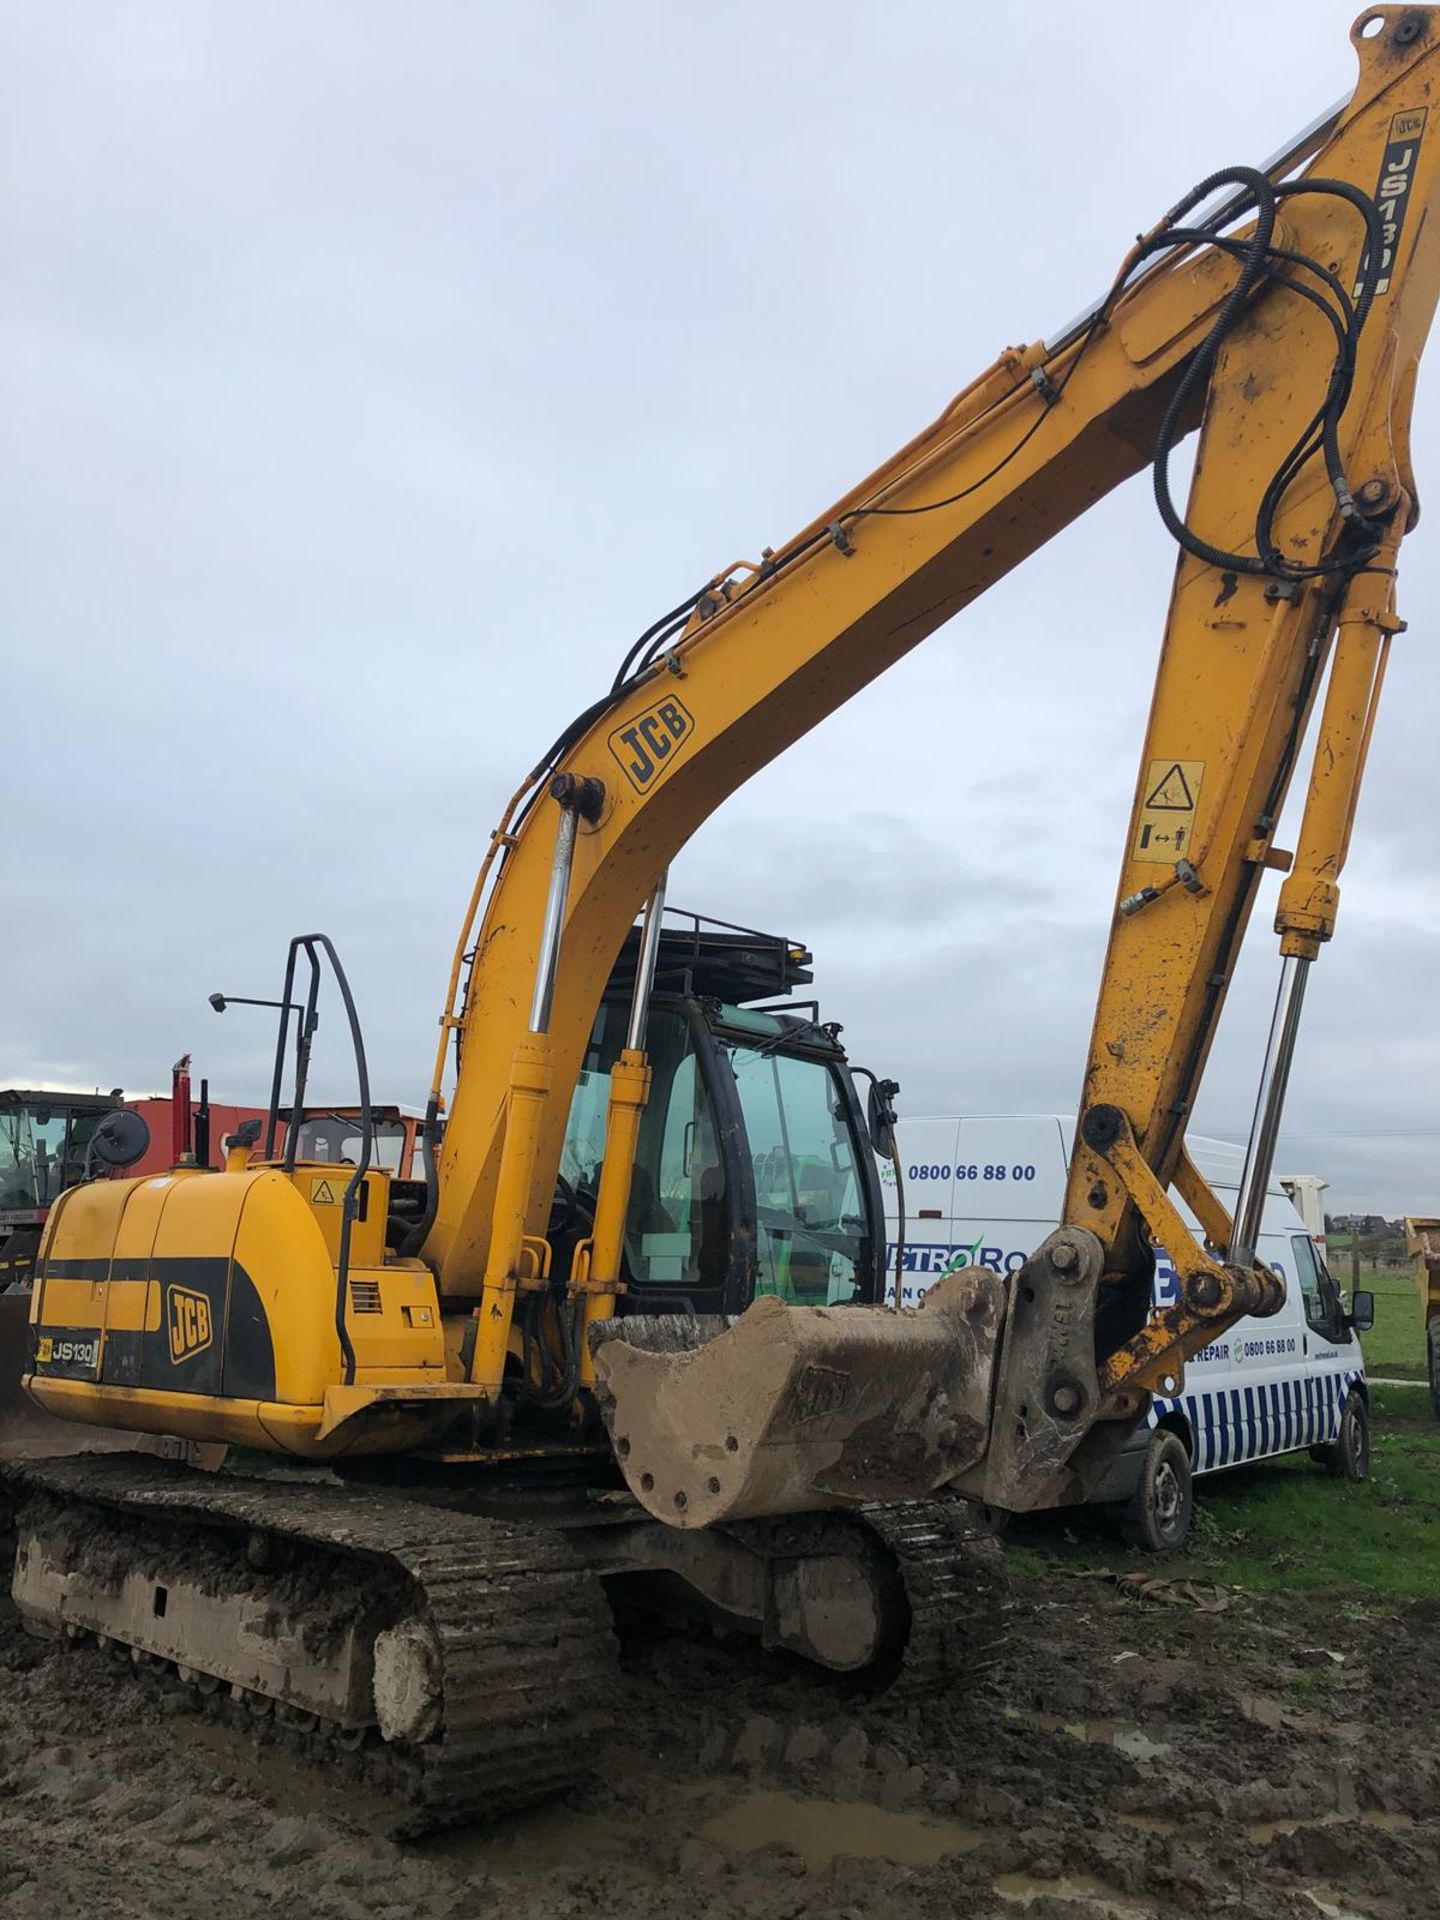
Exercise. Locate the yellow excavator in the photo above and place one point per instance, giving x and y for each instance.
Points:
(1422, 1243)
(630, 1341)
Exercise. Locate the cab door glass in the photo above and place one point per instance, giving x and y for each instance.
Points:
(810, 1241)
(17, 1160)
(1322, 1303)
(59, 1149)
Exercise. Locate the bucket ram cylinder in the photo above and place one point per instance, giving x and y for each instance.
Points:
(1269, 1105)
(629, 1092)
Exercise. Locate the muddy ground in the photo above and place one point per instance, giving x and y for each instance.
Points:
(1121, 1758)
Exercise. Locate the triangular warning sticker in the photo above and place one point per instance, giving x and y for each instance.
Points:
(1172, 794)
(322, 1194)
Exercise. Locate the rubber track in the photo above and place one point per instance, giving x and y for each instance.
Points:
(954, 1576)
(530, 1668)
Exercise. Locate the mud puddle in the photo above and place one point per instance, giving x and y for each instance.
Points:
(1132, 1741)
(820, 1831)
(1024, 1889)
(559, 1837)
(1147, 1823)
(1264, 1832)
(1325, 1903)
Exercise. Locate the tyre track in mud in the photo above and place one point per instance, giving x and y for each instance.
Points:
(1118, 1759)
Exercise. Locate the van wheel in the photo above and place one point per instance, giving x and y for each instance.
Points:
(1160, 1509)
(1432, 1350)
(1349, 1458)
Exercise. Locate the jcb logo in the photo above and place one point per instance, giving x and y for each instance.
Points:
(643, 747)
(187, 1316)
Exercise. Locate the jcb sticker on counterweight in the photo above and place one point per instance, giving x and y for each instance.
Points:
(649, 742)
(188, 1322)
(1166, 827)
(1392, 190)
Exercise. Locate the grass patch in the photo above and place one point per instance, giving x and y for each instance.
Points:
(1285, 1525)
(1396, 1343)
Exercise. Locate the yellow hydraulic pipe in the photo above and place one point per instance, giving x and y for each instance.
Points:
(1310, 897)
(629, 1091)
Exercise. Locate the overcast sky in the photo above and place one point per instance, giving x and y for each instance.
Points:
(375, 372)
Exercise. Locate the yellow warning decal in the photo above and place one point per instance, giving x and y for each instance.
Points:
(45, 1349)
(1166, 826)
(322, 1194)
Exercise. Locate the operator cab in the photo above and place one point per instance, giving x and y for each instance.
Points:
(44, 1139)
(753, 1173)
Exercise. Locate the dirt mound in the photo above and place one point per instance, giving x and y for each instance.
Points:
(1118, 1758)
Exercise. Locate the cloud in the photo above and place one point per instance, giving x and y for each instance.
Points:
(377, 373)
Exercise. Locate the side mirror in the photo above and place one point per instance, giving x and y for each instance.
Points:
(120, 1140)
(880, 1116)
(1362, 1311)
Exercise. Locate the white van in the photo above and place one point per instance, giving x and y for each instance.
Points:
(985, 1190)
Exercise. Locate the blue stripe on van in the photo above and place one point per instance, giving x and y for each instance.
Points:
(1232, 1425)
(1228, 1426)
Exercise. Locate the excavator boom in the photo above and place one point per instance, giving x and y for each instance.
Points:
(1284, 314)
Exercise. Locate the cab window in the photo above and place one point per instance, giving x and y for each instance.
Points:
(1322, 1302)
(811, 1228)
(335, 1139)
(676, 1226)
